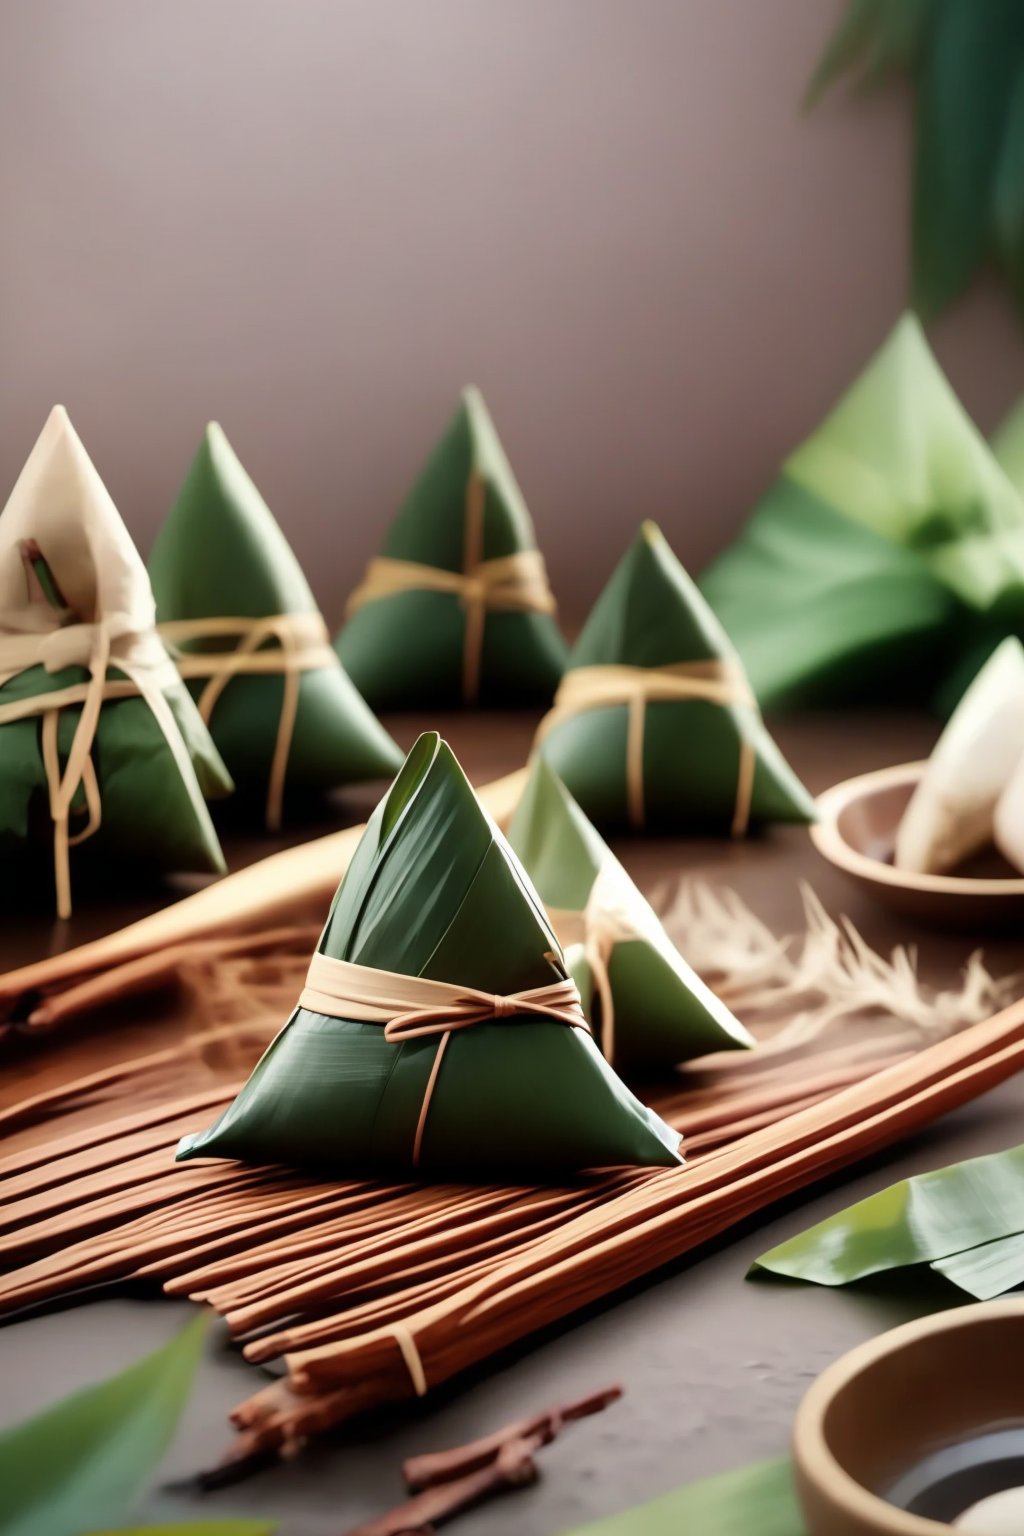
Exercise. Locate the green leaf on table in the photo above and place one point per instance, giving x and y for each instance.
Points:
(928, 1219)
(757, 1499)
(87, 1459)
(989, 1270)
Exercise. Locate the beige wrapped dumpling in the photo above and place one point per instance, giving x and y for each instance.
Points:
(952, 812)
(99, 740)
(1008, 824)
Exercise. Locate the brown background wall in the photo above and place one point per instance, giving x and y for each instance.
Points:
(315, 219)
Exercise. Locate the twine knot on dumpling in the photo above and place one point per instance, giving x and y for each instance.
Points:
(415, 1008)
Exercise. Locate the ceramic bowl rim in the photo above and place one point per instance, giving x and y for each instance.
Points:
(833, 846)
(813, 1456)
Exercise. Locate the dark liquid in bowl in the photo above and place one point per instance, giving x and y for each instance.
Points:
(950, 1481)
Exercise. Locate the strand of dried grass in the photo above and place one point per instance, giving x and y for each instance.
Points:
(822, 976)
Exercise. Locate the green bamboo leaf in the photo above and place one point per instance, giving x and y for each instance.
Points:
(967, 75)
(920, 1220)
(89, 1457)
(989, 1270)
(874, 39)
(1008, 193)
(759, 1498)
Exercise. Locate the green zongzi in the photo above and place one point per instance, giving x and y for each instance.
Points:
(98, 736)
(654, 724)
(458, 608)
(650, 1008)
(438, 1028)
(888, 559)
(248, 637)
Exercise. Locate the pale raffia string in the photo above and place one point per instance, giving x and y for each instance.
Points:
(278, 645)
(605, 687)
(603, 923)
(32, 637)
(514, 583)
(414, 1008)
(411, 1355)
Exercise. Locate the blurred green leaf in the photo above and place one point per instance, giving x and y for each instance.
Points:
(967, 74)
(874, 39)
(84, 1462)
(1008, 194)
(758, 1500)
(967, 62)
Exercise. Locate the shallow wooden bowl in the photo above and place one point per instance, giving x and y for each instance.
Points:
(856, 832)
(881, 1411)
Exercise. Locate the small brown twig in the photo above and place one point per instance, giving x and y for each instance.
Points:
(512, 1467)
(446, 1482)
(444, 1466)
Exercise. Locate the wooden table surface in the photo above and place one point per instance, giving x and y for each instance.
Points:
(713, 1365)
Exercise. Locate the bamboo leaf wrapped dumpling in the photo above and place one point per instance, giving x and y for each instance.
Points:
(457, 609)
(99, 739)
(888, 558)
(506, 1080)
(648, 1007)
(654, 724)
(236, 609)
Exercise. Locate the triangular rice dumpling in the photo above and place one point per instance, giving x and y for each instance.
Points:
(654, 725)
(239, 616)
(434, 891)
(646, 1005)
(98, 736)
(888, 558)
(458, 609)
